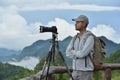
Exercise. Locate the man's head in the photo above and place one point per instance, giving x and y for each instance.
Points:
(81, 22)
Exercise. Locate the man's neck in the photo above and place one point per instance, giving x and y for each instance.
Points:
(81, 32)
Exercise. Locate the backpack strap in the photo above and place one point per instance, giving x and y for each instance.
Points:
(95, 66)
(88, 36)
(74, 38)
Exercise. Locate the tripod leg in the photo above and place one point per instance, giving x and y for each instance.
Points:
(44, 66)
(49, 61)
(69, 73)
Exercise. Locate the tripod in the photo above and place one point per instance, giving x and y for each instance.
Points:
(53, 48)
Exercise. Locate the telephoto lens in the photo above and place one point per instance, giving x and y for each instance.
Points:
(48, 29)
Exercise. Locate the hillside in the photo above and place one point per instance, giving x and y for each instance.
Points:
(114, 58)
(37, 49)
(10, 72)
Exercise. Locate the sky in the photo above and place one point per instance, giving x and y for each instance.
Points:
(20, 20)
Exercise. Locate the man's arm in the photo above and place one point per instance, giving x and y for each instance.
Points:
(88, 46)
(69, 49)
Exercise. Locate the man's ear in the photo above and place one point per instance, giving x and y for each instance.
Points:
(84, 24)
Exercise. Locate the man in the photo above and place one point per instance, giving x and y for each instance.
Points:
(80, 50)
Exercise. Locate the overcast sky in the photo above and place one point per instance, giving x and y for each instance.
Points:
(20, 19)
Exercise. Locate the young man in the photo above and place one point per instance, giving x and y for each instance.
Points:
(80, 50)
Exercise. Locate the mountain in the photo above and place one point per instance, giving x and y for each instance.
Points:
(41, 47)
(37, 49)
(7, 54)
(111, 47)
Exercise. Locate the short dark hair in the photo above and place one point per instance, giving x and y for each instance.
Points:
(86, 25)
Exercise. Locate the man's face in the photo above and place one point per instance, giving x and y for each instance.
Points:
(79, 25)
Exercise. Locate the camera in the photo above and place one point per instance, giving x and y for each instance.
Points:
(48, 29)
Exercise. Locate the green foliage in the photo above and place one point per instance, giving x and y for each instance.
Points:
(10, 72)
(97, 75)
(114, 58)
(62, 76)
(116, 75)
(39, 66)
(58, 61)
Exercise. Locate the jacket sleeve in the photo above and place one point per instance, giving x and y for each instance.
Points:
(88, 46)
(69, 50)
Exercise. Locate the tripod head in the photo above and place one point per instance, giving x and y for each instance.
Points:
(54, 41)
(52, 29)
(54, 37)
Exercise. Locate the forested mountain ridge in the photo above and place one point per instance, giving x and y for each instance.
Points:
(41, 47)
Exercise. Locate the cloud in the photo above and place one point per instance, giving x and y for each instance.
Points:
(67, 6)
(64, 28)
(22, 3)
(27, 62)
(107, 31)
(15, 32)
(33, 5)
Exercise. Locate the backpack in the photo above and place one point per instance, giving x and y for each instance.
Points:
(99, 51)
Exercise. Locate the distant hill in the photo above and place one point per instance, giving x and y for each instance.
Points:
(111, 47)
(7, 54)
(37, 49)
(41, 47)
